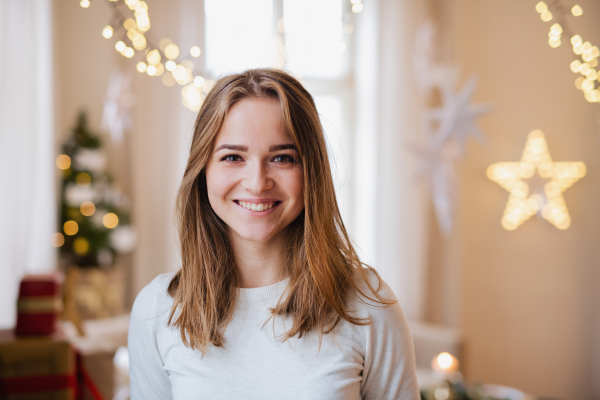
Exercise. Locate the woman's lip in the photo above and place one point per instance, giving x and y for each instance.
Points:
(259, 201)
(259, 213)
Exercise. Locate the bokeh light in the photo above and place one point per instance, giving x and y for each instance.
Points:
(195, 51)
(70, 228)
(57, 239)
(110, 220)
(81, 246)
(87, 208)
(83, 179)
(107, 32)
(63, 161)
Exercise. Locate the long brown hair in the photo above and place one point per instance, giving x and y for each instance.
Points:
(323, 266)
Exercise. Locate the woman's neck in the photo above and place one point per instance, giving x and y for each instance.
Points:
(259, 263)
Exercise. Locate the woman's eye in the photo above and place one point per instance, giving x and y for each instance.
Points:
(231, 158)
(283, 158)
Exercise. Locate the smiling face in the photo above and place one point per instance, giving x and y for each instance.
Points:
(254, 176)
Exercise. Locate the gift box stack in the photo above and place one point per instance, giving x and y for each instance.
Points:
(36, 361)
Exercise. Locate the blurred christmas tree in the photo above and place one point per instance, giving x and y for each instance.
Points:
(95, 213)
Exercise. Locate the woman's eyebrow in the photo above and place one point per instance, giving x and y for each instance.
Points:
(282, 147)
(232, 147)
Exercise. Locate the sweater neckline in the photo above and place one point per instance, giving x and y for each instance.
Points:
(264, 292)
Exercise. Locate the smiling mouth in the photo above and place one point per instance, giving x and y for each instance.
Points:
(257, 206)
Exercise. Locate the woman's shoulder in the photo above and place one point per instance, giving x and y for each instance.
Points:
(152, 297)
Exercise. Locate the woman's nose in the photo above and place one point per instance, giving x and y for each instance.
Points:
(257, 178)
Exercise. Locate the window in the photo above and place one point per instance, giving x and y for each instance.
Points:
(308, 38)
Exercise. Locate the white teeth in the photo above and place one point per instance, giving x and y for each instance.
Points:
(256, 207)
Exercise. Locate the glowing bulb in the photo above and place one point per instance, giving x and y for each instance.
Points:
(556, 29)
(151, 70)
(71, 228)
(575, 65)
(87, 208)
(199, 81)
(595, 51)
(357, 8)
(585, 67)
(128, 52)
(587, 56)
(141, 67)
(576, 10)
(592, 74)
(110, 220)
(578, 49)
(593, 62)
(554, 43)
(120, 46)
(170, 65)
(84, 3)
(153, 57)
(576, 40)
(57, 239)
(81, 246)
(63, 161)
(129, 24)
(171, 51)
(159, 69)
(541, 7)
(195, 51)
(83, 179)
(546, 16)
(107, 32)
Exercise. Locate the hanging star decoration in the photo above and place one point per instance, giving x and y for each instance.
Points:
(522, 204)
(445, 128)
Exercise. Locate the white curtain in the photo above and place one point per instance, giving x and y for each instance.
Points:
(390, 214)
(27, 171)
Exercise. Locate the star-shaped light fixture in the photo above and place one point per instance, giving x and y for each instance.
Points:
(521, 204)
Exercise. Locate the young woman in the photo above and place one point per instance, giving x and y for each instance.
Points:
(271, 301)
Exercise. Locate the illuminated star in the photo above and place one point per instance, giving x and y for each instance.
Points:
(521, 205)
(457, 117)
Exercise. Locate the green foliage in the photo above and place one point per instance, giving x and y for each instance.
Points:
(101, 190)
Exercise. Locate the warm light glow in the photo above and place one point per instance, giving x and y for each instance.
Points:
(153, 57)
(592, 74)
(107, 32)
(576, 40)
(357, 8)
(579, 82)
(199, 81)
(128, 52)
(70, 228)
(164, 43)
(129, 24)
(63, 161)
(171, 51)
(444, 362)
(83, 179)
(556, 29)
(195, 51)
(110, 220)
(576, 10)
(81, 246)
(546, 16)
(141, 66)
(541, 7)
(151, 70)
(575, 65)
(84, 3)
(87, 208)
(120, 46)
(554, 43)
(521, 205)
(593, 62)
(170, 65)
(57, 239)
(160, 68)
(140, 43)
(585, 67)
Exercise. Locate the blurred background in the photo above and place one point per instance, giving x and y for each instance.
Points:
(464, 138)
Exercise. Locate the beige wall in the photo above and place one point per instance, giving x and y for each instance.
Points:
(529, 297)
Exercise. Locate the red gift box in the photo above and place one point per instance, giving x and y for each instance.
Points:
(42, 368)
(38, 305)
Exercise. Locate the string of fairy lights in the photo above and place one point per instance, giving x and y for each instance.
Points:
(159, 61)
(588, 53)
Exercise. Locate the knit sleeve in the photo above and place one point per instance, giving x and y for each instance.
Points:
(148, 378)
(389, 370)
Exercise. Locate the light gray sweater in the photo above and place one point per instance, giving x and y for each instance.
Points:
(375, 361)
